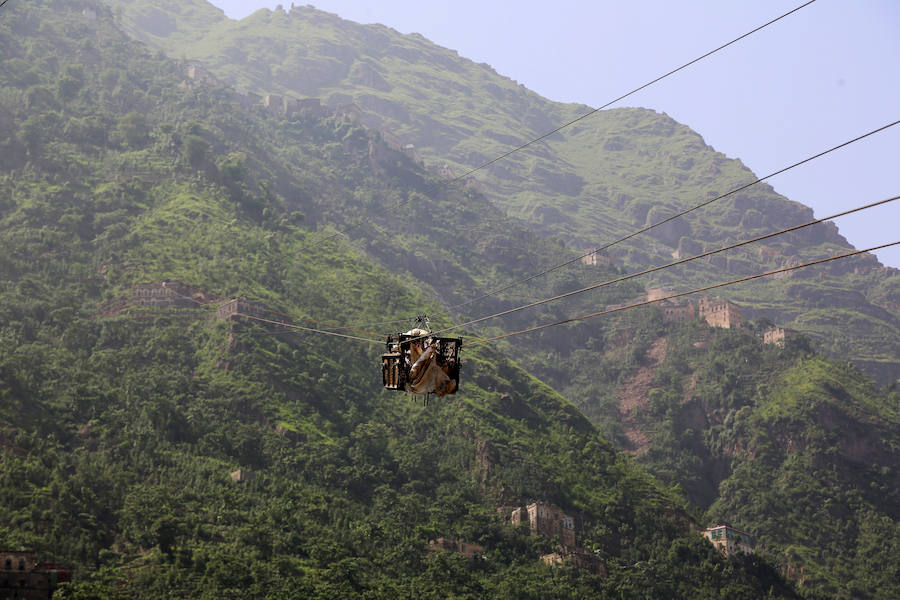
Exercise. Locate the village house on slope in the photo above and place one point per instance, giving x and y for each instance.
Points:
(23, 577)
(550, 521)
(728, 540)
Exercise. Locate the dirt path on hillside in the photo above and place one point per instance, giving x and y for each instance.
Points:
(633, 397)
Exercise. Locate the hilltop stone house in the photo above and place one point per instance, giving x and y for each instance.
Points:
(546, 520)
(580, 557)
(550, 521)
(200, 75)
(470, 551)
(778, 335)
(594, 258)
(721, 313)
(655, 294)
(274, 104)
(348, 113)
(241, 476)
(312, 106)
(675, 312)
(728, 540)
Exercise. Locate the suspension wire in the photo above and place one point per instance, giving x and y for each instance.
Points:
(394, 322)
(582, 117)
(567, 294)
(275, 312)
(538, 139)
(658, 223)
(323, 323)
(301, 328)
(594, 286)
(669, 265)
(678, 295)
(682, 213)
(2, 4)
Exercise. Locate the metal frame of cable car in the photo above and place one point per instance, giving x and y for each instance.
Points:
(396, 363)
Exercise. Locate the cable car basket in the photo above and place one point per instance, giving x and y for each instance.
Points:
(400, 371)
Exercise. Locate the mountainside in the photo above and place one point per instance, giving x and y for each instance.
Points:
(158, 447)
(603, 178)
(799, 450)
(600, 179)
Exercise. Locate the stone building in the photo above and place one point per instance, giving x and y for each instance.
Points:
(291, 106)
(721, 313)
(241, 476)
(199, 74)
(348, 113)
(391, 141)
(313, 107)
(550, 521)
(274, 104)
(23, 577)
(580, 557)
(679, 313)
(729, 540)
(250, 99)
(778, 335)
(547, 520)
(443, 171)
(655, 294)
(166, 294)
(593, 258)
(470, 551)
(240, 307)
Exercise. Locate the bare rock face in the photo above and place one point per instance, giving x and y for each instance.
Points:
(363, 74)
(668, 233)
(569, 184)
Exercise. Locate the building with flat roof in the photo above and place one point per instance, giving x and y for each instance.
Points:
(721, 313)
(546, 520)
(677, 313)
(550, 521)
(580, 557)
(778, 335)
(470, 551)
(728, 540)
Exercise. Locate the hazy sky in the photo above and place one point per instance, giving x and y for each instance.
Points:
(822, 76)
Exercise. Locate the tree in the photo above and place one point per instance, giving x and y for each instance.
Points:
(133, 129)
(195, 149)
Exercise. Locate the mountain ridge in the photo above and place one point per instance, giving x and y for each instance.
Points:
(599, 180)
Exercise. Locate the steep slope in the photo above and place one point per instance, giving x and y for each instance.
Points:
(798, 450)
(120, 423)
(602, 178)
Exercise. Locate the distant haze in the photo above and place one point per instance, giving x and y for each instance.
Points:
(819, 77)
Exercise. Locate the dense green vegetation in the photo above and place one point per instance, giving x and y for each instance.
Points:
(119, 425)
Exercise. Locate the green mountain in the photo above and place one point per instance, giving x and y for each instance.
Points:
(799, 450)
(608, 175)
(588, 185)
(121, 419)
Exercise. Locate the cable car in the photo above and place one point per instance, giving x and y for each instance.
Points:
(418, 362)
